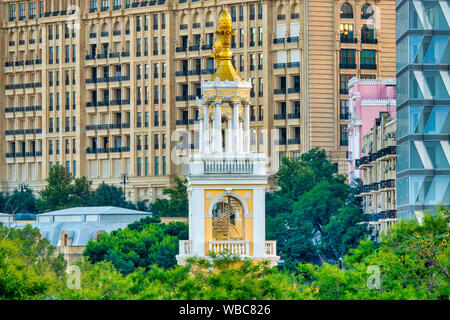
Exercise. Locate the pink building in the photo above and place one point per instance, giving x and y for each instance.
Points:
(367, 98)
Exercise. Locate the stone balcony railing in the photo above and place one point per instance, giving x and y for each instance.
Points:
(227, 166)
(227, 163)
(240, 248)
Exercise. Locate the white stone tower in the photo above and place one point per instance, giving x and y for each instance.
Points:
(226, 183)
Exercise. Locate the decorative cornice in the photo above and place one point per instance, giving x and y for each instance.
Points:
(372, 82)
(378, 102)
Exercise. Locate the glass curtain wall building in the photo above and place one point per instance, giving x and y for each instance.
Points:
(423, 106)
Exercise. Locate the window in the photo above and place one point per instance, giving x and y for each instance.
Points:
(12, 12)
(21, 11)
(105, 5)
(366, 11)
(241, 13)
(139, 166)
(346, 32)
(346, 11)
(344, 110)
(344, 78)
(252, 12)
(252, 37)
(156, 166)
(146, 166)
(343, 135)
(260, 11)
(155, 22)
(41, 8)
(367, 34)
(368, 60)
(164, 165)
(74, 168)
(233, 13)
(50, 147)
(348, 59)
(93, 5)
(32, 10)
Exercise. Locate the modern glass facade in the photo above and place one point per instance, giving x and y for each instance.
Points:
(423, 106)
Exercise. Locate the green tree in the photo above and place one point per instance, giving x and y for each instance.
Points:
(310, 194)
(110, 195)
(139, 245)
(344, 231)
(63, 191)
(29, 267)
(19, 201)
(177, 205)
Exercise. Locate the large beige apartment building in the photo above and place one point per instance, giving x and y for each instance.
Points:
(108, 87)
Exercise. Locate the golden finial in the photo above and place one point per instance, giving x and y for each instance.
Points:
(222, 53)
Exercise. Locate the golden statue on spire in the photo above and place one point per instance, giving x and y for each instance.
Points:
(222, 53)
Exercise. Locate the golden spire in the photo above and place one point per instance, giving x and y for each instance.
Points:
(222, 53)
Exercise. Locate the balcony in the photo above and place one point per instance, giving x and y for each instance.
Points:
(295, 115)
(347, 66)
(91, 150)
(240, 248)
(349, 40)
(293, 90)
(293, 64)
(227, 166)
(281, 116)
(369, 41)
(278, 40)
(387, 184)
(292, 39)
(279, 91)
(370, 66)
(22, 131)
(294, 141)
(181, 122)
(279, 65)
(24, 109)
(108, 126)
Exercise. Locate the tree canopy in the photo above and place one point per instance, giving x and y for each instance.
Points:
(177, 204)
(312, 200)
(141, 244)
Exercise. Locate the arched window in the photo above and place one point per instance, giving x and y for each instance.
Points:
(295, 11)
(281, 12)
(366, 11)
(227, 222)
(97, 235)
(346, 11)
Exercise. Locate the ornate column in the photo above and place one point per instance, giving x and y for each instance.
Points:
(217, 135)
(246, 128)
(229, 141)
(235, 126)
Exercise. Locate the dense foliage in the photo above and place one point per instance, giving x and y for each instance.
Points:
(141, 244)
(413, 262)
(29, 268)
(177, 203)
(19, 201)
(312, 202)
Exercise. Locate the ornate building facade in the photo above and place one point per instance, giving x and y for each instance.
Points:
(107, 87)
(423, 107)
(378, 175)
